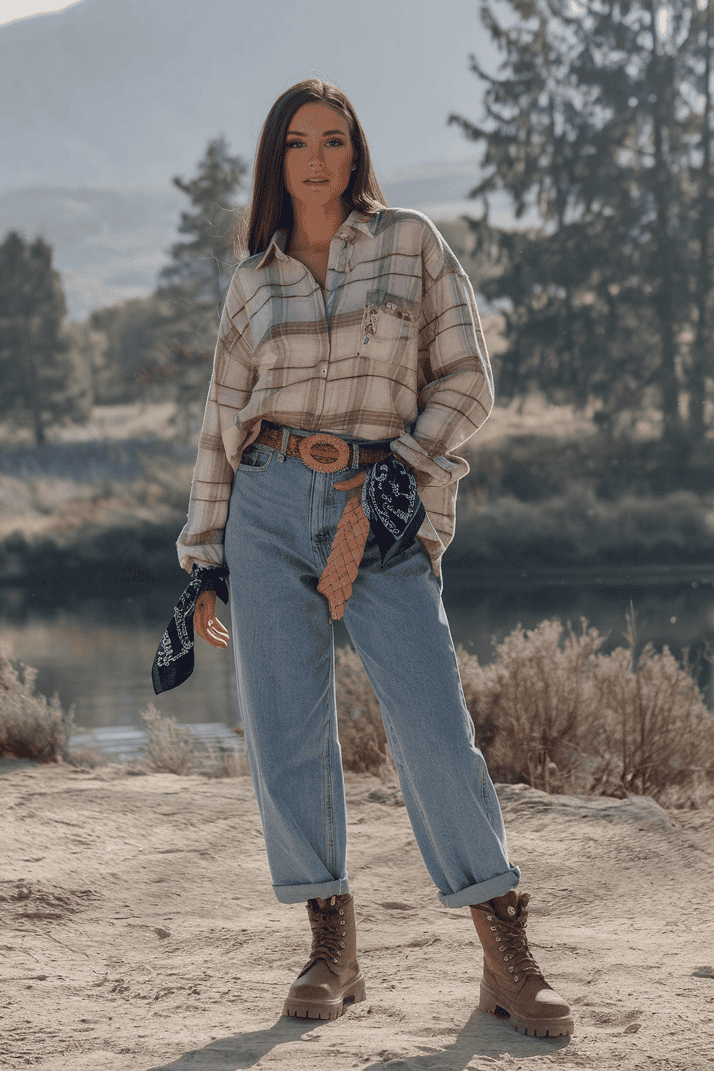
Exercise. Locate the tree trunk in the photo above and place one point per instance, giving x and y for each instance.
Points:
(663, 295)
(697, 382)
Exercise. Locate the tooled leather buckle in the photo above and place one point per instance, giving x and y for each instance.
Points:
(324, 453)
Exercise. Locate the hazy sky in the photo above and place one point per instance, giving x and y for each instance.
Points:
(20, 9)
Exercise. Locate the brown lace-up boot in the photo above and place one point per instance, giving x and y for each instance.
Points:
(512, 981)
(331, 979)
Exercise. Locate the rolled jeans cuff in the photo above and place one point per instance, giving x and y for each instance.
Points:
(296, 894)
(485, 890)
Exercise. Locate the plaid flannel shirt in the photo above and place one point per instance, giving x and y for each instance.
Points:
(391, 349)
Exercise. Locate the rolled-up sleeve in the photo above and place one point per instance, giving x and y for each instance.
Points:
(456, 393)
(201, 539)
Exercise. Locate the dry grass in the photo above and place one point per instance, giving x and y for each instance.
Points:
(549, 710)
(172, 748)
(31, 725)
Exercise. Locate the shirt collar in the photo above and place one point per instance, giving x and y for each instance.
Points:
(356, 221)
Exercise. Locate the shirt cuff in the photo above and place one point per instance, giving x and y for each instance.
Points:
(440, 470)
(205, 554)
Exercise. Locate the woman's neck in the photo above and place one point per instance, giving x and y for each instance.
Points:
(314, 228)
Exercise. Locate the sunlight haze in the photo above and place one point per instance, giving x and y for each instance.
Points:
(21, 9)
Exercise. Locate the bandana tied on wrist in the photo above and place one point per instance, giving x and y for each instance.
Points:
(174, 659)
(390, 506)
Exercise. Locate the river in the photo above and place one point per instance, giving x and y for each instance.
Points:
(96, 650)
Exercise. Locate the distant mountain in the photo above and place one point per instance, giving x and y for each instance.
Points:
(128, 92)
(102, 103)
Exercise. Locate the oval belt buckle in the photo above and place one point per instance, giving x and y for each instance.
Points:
(324, 453)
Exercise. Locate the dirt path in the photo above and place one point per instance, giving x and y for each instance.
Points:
(139, 932)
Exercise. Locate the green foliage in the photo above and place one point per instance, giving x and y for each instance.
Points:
(593, 122)
(43, 380)
(575, 528)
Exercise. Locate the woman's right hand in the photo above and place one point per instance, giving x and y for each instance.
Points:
(205, 622)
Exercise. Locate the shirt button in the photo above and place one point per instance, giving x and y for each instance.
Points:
(236, 420)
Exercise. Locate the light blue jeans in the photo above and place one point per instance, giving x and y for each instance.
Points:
(281, 523)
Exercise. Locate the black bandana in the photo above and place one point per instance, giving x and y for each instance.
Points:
(392, 505)
(173, 662)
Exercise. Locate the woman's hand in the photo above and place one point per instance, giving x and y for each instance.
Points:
(205, 622)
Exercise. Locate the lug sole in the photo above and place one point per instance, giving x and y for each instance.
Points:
(326, 1009)
(492, 1003)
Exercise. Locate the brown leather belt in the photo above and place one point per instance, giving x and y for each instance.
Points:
(321, 452)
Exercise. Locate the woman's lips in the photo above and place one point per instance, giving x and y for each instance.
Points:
(315, 182)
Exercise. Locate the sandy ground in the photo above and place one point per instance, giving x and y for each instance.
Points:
(139, 932)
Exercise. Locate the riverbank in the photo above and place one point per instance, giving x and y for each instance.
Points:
(545, 495)
(141, 932)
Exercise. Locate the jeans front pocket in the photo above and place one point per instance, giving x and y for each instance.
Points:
(255, 459)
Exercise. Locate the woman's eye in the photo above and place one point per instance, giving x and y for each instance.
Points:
(332, 141)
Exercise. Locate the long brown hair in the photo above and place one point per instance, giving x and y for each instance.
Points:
(270, 206)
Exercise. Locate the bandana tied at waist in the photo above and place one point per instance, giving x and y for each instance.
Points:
(390, 506)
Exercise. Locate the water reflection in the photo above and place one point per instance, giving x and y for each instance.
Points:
(96, 649)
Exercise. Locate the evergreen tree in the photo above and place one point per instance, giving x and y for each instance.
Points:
(196, 281)
(42, 384)
(591, 122)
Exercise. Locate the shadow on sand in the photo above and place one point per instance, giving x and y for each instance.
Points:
(483, 1035)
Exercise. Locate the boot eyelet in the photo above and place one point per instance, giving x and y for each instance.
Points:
(515, 978)
(334, 961)
(510, 968)
(492, 927)
(342, 911)
(489, 918)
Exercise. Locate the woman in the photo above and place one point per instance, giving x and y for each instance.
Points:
(350, 345)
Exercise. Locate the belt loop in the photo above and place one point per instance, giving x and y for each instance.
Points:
(284, 444)
(355, 455)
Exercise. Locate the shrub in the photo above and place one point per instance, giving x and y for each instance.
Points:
(653, 730)
(528, 705)
(31, 726)
(560, 716)
(170, 748)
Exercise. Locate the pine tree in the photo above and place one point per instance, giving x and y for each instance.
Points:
(197, 279)
(41, 383)
(591, 123)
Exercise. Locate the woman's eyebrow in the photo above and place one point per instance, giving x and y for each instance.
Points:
(324, 133)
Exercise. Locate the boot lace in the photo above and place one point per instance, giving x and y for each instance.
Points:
(328, 930)
(512, 934)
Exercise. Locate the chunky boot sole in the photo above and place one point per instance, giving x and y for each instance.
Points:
(326, 1009)
(494, 1004)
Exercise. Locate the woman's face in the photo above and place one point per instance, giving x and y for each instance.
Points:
(317, 145)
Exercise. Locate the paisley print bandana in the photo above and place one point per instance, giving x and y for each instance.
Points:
(174, 659)
(392, 505)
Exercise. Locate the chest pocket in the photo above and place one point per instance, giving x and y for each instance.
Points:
(388, 324)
